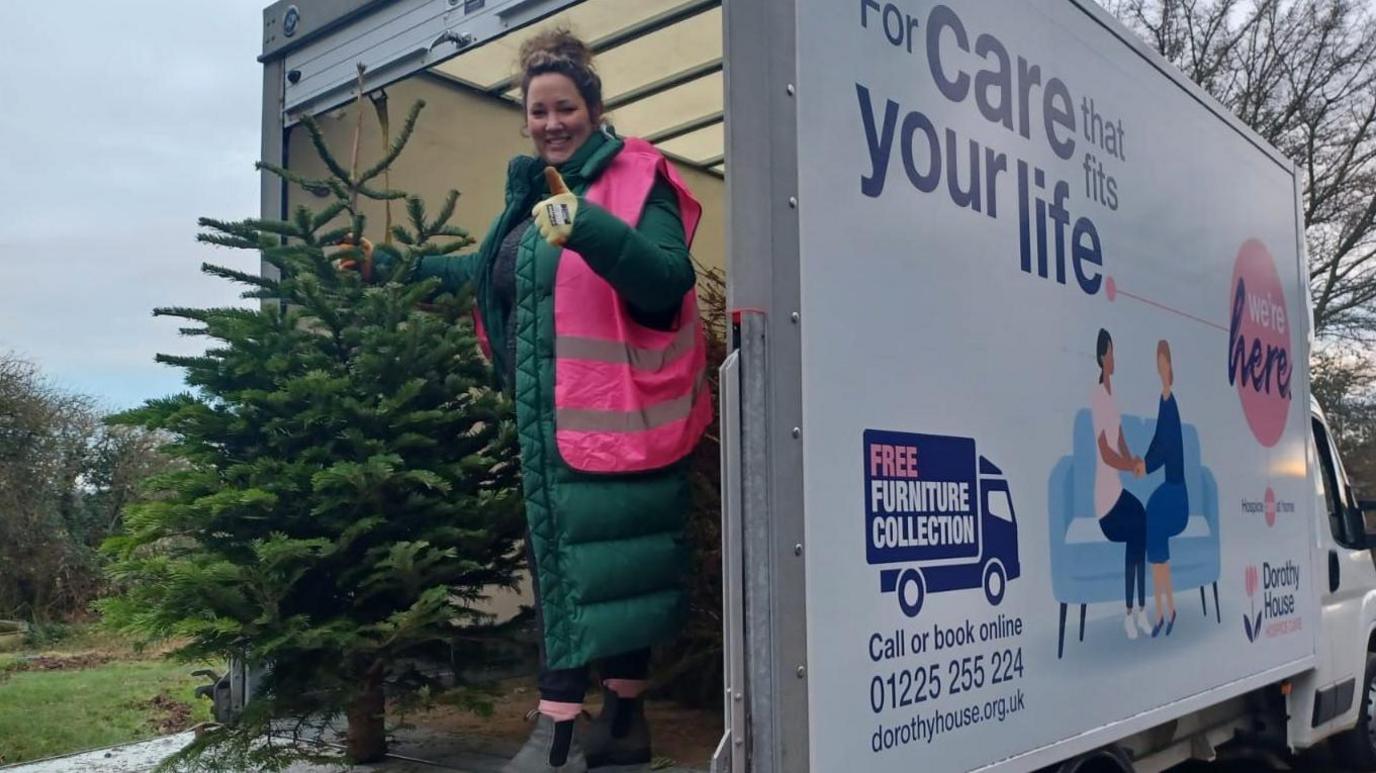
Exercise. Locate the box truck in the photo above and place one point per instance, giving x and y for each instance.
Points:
(1023, 323)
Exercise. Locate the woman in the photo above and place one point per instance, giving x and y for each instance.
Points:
(585, 292)
(1121, 517)
(1168, 508)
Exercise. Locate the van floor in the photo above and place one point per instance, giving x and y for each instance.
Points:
(683, 738)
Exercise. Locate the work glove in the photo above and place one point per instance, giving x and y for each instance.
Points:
(554, 216)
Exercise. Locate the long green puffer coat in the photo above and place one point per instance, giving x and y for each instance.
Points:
(609, 548)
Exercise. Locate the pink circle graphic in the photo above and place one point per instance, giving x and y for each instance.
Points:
(1270, 507)
(1111, 289)
(1260, 353)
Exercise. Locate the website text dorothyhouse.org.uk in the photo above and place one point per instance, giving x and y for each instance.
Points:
(928, 726)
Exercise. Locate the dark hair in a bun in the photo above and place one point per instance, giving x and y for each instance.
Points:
(560, 51)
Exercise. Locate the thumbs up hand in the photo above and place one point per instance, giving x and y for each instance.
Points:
(554, 216)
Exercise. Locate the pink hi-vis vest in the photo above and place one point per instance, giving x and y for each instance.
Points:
(627, 398)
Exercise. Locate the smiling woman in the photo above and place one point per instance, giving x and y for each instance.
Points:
(585, 295)
(563, 94)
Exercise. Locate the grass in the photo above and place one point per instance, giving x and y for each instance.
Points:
(50, 712)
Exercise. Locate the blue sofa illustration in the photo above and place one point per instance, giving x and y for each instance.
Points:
(1085, 567)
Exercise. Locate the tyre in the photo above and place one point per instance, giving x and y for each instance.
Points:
(995, 582)
(1356, 748)
(1106, 760)
(912, 591)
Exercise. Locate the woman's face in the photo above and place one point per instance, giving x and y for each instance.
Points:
(1163, 367)
(557, 117)
(1108, 360)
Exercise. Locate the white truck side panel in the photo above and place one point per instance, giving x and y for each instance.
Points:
(948, 153)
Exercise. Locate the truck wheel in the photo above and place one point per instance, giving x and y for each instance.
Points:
(1356, 748)
(912, 591)
(1106, 760)
(995, 582)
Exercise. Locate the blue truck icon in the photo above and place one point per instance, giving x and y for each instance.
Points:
(938, 516)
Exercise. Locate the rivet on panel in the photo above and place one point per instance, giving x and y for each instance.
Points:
(789, 88)
(802, 672)
(795, 316)
(793, 202)
(797, 432)
(798, 549)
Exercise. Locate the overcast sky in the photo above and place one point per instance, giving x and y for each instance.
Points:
(120, 124)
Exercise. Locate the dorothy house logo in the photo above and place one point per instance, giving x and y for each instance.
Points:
(1251, 622)
(1278, 586)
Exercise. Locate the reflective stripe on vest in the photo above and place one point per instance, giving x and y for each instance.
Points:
(627, 398)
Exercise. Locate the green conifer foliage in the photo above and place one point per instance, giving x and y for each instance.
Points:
(348, 482)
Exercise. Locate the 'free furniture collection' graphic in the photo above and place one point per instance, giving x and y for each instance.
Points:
(938, 516)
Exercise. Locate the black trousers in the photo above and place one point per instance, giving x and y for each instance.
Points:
(1127, 523)
(570, 685)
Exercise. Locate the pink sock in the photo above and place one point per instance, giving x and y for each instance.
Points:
(626, 688)
(560, 712)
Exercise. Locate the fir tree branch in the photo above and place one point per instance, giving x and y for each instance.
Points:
(401, 270)
(302, 218)
(208, 315)
(307, 183)
(256, 280)
(189, 363)
(234, 228)
(380, 195)
(183, 312)
(402, 235)
(276, 262)
(340, 191)
(318, 140)
(349, 252)
(446, 211)
(321, 307)
(397, 146)
(235, 242)
(415, 210)
(419, 291)
(456, 232)
(324, 216)
(287, 252)
(276, 227)
(337, 236)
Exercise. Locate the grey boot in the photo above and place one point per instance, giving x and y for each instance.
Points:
(551, 748)
(619, 738)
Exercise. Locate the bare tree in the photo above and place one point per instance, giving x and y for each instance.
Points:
(1302, 74)
(65, 479)
(1343, 381)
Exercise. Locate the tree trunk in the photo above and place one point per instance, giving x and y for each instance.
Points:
(367, 714)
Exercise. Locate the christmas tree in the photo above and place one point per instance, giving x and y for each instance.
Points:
(347, 486)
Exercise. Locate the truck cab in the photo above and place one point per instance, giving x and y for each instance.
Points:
(1334, 699)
